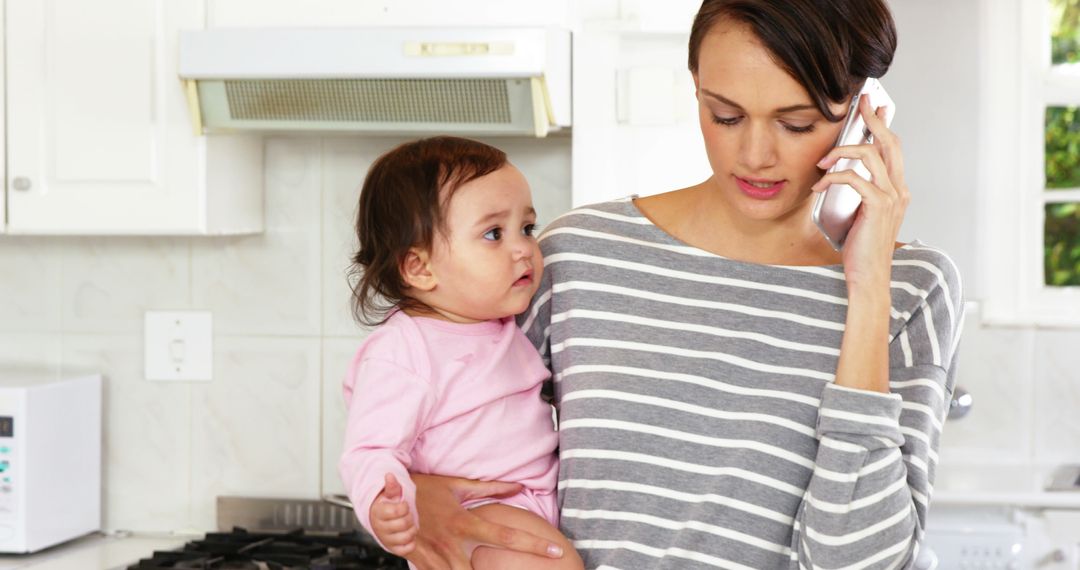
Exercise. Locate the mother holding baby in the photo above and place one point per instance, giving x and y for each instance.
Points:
(732, 392)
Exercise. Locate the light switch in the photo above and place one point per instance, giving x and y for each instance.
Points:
(179, 345)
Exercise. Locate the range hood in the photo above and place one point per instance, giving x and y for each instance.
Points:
(472, 81)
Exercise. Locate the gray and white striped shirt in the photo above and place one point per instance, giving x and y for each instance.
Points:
(699, 426)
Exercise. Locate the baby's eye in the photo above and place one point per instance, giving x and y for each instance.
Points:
(494, 234)
(529, 229)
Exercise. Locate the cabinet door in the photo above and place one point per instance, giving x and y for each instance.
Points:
(99, 138)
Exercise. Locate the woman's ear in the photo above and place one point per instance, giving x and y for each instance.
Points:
(416, 270)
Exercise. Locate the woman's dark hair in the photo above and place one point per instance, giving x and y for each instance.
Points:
(402, 203)
(829, 46)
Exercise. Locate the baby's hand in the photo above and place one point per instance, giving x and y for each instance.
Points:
(391, 520)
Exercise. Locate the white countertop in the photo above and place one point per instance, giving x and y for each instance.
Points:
(95, 552)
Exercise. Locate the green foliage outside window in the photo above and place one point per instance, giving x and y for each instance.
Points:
(1062, 147)
(1065, 31)
(1062, 244)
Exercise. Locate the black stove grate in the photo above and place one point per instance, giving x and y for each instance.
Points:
(294, 550)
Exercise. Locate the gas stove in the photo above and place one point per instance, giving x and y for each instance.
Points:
(293, 550)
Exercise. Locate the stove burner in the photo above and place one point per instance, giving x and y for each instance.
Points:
(294, 550)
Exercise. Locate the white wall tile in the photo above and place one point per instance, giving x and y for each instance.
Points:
(29, 352)
(147, 434)
(337, 355)
(255, 426)
(995, 368)
(1057, 396)
(30, 284)
(270, 283)
(110, 282)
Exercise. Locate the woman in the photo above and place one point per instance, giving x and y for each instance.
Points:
(732, 392)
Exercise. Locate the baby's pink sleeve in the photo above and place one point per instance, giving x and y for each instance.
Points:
(388, 406)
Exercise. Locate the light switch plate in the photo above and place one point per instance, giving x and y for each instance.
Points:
(179, 345)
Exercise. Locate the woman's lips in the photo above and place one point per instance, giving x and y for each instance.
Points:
(759, 192)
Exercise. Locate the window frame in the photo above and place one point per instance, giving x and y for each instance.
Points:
(1016, 85)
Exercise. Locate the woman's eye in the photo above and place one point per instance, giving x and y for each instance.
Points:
(529, 229)
(795, 129)
(726, 121)
(494, 234)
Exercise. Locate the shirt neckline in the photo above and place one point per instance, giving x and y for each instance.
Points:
(637, 213)
(472, 329)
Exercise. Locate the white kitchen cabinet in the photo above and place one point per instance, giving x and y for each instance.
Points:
(99, 137)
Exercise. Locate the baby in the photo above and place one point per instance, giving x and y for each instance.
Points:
(447, 384)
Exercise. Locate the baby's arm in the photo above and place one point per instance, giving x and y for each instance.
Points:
(388, 409)
(391, 520)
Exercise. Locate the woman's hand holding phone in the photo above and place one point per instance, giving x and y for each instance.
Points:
(868, 248)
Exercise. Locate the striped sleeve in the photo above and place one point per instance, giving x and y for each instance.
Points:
(867, 501)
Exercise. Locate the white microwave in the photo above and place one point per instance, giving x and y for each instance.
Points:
(50, 459)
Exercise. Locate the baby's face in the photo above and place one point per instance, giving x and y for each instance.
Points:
(488, 265)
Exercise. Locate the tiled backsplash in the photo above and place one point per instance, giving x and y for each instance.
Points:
(1026, 388)
(268, 423)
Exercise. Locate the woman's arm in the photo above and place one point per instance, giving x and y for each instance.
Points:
(868, 497)
(868, 252)
(879, 423)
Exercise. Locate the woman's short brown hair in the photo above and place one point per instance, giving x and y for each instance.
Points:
(829, 46)
(402, 205)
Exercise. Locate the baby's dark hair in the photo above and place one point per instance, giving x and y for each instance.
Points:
(402, 205)
(829, 46)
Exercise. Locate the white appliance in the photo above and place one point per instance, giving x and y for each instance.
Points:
(975, 537)
(479, 81)
(50, 459)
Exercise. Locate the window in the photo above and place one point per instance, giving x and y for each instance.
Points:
(1062, 166)
(1030, 158)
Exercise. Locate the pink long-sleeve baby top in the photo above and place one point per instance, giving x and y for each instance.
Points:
(431, 396)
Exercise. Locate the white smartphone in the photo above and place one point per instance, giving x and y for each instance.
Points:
(834, 211)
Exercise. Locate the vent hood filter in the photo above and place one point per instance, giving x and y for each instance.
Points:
(481, 82)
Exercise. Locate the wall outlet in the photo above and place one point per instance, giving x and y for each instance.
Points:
(179, 345)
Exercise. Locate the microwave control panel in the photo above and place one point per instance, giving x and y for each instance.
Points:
(7, 467)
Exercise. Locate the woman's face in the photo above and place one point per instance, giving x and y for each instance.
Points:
(762, 132)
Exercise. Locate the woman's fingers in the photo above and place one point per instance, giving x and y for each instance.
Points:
(469, 490)
(425, 557)
(884, 151)
(886, 141)
(871, 194)
(870, 159)
(486, 533)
